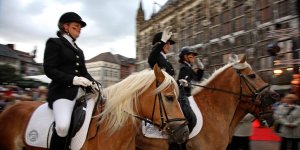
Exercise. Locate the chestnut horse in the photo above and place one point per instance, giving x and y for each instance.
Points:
(231, 92)
(128, 102)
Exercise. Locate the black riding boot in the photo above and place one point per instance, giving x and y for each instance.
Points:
(57, 142)
(175, 146)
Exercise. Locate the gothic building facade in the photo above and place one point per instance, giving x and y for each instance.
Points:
(218, 29)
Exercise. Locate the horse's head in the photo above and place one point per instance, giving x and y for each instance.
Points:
(149, 96)
(255, 94)
(160, 105)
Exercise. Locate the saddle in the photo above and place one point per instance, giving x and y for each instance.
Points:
(40, 127)
(78, 117)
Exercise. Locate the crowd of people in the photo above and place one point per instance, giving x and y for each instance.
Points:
(286, 125)
(10, 94)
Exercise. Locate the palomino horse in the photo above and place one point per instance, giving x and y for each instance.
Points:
(128, 101)
(231, 92)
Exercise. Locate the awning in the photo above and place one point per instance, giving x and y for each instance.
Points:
(42, 78)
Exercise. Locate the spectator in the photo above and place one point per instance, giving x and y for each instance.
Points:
(288, 115)
(242, 133)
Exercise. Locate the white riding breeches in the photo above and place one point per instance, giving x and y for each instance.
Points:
(62, 111)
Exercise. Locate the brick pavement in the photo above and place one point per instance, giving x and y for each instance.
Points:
(264, 145)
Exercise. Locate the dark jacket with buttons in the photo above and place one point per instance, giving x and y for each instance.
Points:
(156, 57)
(186, 72)
(62, 62)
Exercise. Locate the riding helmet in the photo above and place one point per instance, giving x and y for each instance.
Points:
(186, 50)
(71, 17)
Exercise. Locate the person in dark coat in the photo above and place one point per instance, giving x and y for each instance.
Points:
(64, 64)
(187, 74)
(161, 46)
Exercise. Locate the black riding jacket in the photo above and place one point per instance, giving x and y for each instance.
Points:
(186, 72)
(156, 57)
(62, 62)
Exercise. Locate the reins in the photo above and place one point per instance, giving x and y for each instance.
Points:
(100, 99)
(255, 92)
(240, 94)
(163, 116)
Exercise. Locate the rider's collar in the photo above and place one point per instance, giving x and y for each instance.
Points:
(163, 54)
(66, 36)
(190, 65)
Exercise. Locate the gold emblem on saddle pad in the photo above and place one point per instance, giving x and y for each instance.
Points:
(33, 135)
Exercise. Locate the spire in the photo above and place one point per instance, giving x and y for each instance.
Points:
(141, 6)
(140, 14)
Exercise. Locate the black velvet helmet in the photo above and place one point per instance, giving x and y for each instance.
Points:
(186, 50)
(71, 17)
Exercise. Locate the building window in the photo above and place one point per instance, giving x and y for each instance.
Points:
(238, 18)
(264, 10)
(199, 37)
(266, 63)
(215, 30)
(226, 22)
(283, 8)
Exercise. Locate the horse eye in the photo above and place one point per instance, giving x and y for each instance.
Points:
(169, 98)
(251, 76)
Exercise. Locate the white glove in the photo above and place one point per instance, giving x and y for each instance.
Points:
(81, 81)
(166, 35)
(183, 82)
(199, 64)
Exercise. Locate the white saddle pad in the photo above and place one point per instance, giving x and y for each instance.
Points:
(151, 131)
(39, 129)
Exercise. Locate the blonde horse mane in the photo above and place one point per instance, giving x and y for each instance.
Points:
(122, 96)
(235, 64)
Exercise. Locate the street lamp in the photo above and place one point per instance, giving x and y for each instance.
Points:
(296, 84)
(277, 72)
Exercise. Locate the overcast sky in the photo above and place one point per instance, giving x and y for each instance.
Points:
(110, 24)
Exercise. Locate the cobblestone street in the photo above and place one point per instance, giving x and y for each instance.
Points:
(264, 145)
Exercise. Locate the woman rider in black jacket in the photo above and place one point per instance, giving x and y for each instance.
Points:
(64, 64)
(161, 46)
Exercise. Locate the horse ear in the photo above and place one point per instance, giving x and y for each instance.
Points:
(243, 60)
(160, 77)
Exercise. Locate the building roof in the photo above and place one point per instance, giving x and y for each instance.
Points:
(169, 2)
(109, 57)
(7, 52)
(124, 60)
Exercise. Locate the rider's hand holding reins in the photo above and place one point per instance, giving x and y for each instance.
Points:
(166, 35)
(183, 82)
(82, 81)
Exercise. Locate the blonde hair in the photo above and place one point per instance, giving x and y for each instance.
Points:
(122, 96)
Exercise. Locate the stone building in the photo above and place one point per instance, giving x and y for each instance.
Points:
(218, 29)
(109, 69)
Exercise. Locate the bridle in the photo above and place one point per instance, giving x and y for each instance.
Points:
(255, 96)
(165, 120)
